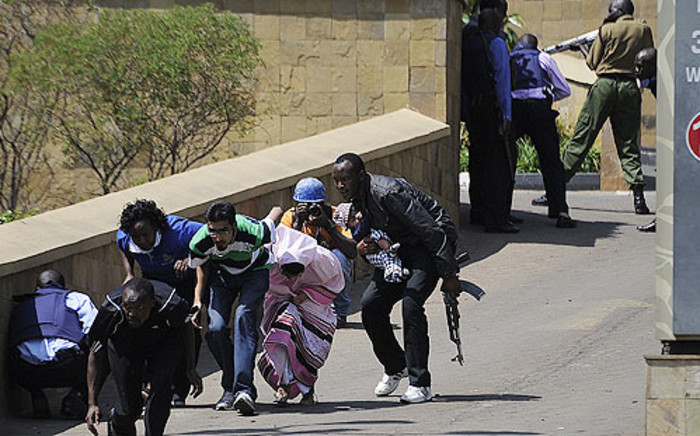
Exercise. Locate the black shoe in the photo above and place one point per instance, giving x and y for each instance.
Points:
(74, 405)
(648, 228)
(505, 228)
(342, 322)
(514, 219)
(565, 222)
(640, 205)
(40, 405)
(540, 201)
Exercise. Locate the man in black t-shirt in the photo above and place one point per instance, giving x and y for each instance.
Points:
(140, 329)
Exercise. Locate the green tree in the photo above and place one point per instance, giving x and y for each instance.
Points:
(165, 87)
(23, 129)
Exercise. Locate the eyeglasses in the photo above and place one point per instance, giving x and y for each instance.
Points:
(222, 231)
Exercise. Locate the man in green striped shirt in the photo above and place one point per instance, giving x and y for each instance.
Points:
(230, 255)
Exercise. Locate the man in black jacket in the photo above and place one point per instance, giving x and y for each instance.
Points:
(140, 329)
(428, 243)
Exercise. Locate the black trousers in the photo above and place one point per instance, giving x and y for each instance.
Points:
(491, 168)
(129, 366)
(181, 383)
(377, 302)
(536, 118)
(68, 370)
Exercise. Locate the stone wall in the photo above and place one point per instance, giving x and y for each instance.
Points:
(672, 395)
(79, 240)
(331, 63)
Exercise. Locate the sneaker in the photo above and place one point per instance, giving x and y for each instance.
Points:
(416, 394)
(342, 322)
(540, 201)
(389, 383)
(177, 401)
(244, 404)
(225, 402)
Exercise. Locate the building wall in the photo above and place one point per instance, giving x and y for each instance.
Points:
(330, 63)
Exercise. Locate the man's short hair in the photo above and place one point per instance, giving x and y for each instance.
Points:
(354, 159)
(221, 211)
(50, 277)
(141, 286)
(625, 7)
(528, 40)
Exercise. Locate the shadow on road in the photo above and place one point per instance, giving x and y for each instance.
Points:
(536, 229)
(486, 397)
(493, 432)
(342, 427)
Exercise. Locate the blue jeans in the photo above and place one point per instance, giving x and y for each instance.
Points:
(341, 304)
(250, 287)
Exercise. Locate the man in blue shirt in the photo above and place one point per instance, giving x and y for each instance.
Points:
(159, 243)
(48, 347)
(486, 112)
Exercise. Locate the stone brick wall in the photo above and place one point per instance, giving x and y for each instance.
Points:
(79, 240)
(672, 395)
(330, 63)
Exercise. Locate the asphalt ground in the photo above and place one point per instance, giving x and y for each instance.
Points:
(555, 348)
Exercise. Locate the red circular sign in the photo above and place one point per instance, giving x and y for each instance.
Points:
(692, 136)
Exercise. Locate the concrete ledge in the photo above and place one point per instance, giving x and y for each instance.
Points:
(56, 234)
(580, 182)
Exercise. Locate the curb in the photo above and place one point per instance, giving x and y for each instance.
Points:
(533, 181)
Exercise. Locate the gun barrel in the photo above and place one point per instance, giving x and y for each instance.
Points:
(586, 38)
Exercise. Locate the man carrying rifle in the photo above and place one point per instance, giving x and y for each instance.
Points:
(614, 95)
(486, 111)
(428, 243)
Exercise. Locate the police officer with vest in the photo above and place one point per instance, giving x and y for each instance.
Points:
(47, 336)
(536, 83)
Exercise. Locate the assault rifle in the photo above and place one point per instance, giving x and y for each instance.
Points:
(452, 310)
(585, 39)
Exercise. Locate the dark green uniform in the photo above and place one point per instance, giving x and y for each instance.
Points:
(614, 95)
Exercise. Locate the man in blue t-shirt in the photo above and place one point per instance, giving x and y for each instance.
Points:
(159, 243)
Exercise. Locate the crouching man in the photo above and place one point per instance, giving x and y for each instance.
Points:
(139, 331)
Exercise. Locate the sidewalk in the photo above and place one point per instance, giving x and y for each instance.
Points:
(555, 347)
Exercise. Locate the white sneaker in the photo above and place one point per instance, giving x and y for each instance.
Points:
(389, 383)
(416, 394)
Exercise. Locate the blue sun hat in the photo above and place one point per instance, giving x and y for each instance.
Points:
(309, 190)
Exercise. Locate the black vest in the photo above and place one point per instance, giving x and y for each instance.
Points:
(44, 314)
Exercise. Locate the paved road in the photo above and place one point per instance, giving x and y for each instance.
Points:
(555, 348)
